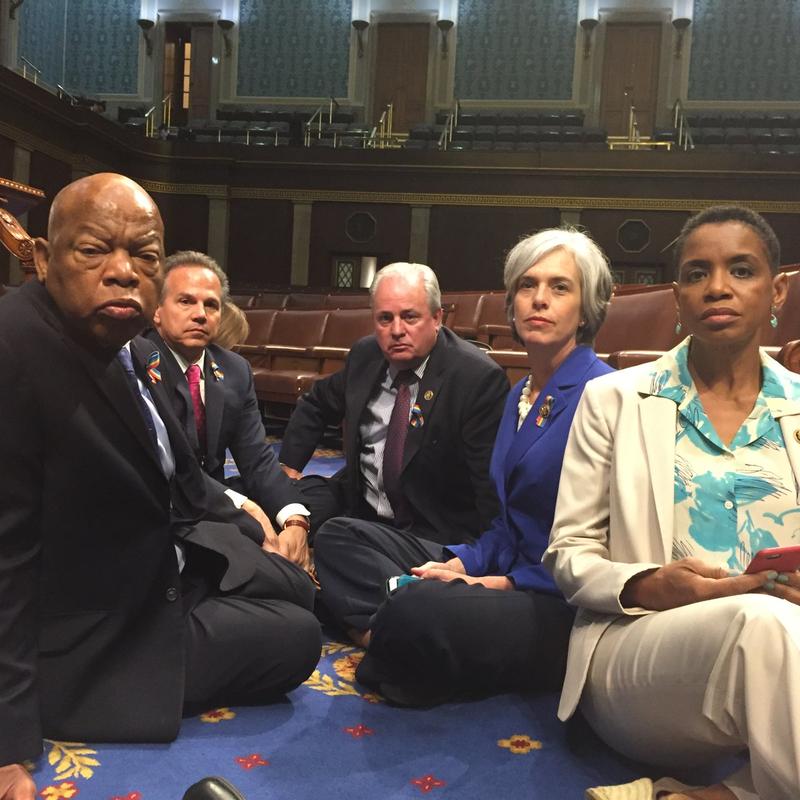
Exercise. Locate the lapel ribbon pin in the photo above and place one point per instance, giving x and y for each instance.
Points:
(544, 411)
(217, 372)
(153, 364)
(417, 419)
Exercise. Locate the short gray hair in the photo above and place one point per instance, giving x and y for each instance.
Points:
(410, 272)
(595, 275)
(194, 258)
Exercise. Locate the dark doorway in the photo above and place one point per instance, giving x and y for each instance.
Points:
(630, 76)
(187, 70)
(401, 72)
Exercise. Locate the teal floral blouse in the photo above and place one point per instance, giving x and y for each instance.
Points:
(730, 501)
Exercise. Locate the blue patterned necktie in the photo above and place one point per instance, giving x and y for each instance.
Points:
(125, 359)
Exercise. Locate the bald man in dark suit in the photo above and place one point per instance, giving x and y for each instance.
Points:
(131, 588)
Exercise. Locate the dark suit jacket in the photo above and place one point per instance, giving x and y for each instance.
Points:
(233, 422)
(526, 466)
(445, 474)
(91, 624)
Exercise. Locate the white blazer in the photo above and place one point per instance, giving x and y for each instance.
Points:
(614, 514)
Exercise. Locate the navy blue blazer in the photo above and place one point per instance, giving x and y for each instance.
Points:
(233, 422)
(525, 468)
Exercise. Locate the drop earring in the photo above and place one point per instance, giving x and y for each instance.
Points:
(678, 326)
(773, 320)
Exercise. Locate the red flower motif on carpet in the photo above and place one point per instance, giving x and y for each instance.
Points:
(63, 791)
(428, 782)
(253, 760)
(357, 731)
(131, 796)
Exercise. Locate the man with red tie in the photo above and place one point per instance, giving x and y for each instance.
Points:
(212, 392)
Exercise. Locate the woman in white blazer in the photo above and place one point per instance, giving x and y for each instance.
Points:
(675, 474)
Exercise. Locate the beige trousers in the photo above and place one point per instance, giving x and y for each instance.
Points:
(687, 685)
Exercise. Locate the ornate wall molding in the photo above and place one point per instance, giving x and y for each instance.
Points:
(30, 141)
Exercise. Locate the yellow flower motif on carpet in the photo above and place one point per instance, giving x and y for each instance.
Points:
(63, 791)
(72, 759)
(345, 667)
(217, 715)
(520, 743)
(342, 682)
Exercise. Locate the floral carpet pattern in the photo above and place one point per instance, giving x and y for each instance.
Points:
(331, 738)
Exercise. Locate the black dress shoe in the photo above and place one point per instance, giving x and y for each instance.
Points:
(213, 788)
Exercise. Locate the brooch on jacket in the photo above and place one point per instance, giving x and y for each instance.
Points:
(216, 371)
(152, 368)
(544, 411)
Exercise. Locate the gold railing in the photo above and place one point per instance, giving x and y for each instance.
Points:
(150, 122)
(166, 111)
(633, 139)
(380, 136)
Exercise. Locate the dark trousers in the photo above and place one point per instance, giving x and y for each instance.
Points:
(433, 641)
(354, 558)
(252, 644)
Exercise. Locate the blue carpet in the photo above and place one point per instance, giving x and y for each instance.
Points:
(332, 739)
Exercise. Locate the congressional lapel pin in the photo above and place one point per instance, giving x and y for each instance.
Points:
(153, 364)
(797, 435)
(417, 419)
(544, 411)
(428, 395)
(217, 372)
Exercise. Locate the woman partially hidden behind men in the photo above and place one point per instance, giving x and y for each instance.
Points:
(675, 474)
(487, 616)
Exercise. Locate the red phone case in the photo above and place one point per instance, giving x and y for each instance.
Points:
(780, 559)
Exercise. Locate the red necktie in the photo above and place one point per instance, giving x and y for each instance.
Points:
(193, 376)
(395, 444)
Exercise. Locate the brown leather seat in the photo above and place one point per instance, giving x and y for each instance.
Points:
(270, 300)
(345, 327)
(493, 327)
(243, 300)
(514, 362)
(463, 320)
(307, 300)
(788, 317)
(347, 301)
(632, 358)
(294, 335)
(641, 321)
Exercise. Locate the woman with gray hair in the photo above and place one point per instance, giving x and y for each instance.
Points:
(487, 616)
